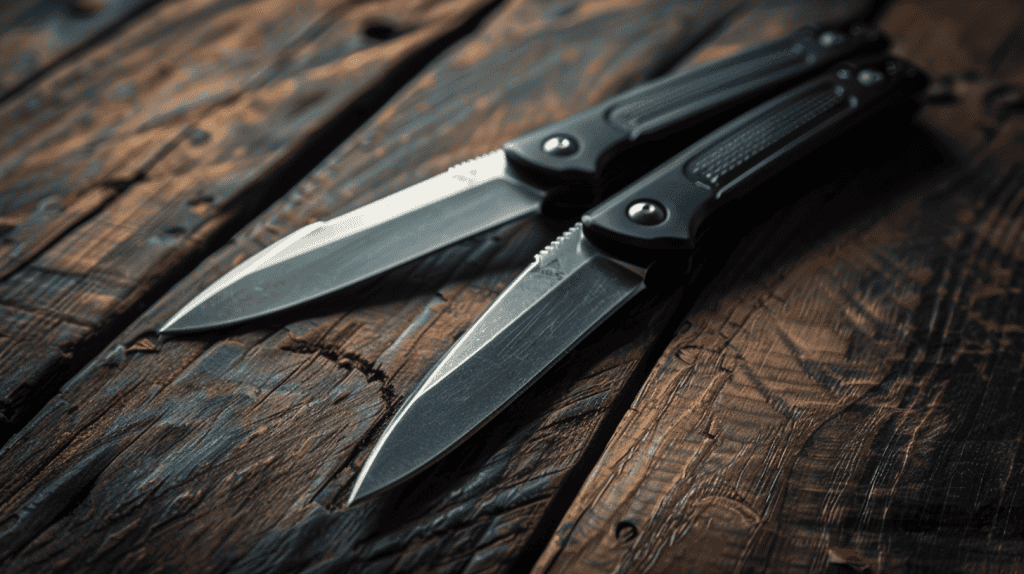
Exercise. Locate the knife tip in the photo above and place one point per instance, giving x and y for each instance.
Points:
(185, 321)
(364, 488)
(167, 327)
(356, 496)
(174, 325)
(202, 314)
(382, 472)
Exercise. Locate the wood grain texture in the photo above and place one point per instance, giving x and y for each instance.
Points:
(234, 451)
(38, 34)
(849, 398)
(122, 167)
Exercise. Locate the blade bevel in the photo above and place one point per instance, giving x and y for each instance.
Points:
(324, 257)
(568, 290)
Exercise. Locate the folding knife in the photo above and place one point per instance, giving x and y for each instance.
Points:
(594, 268)
(529, 174)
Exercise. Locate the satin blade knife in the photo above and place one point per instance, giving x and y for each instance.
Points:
(598, 265)
(524, 177)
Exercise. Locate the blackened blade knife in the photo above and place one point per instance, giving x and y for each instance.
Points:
(591, 271)
(520, 179)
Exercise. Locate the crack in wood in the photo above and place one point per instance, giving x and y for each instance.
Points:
(345, 359)
(372, 435)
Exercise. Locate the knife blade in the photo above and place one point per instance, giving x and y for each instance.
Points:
(523, 178)
(591, 271)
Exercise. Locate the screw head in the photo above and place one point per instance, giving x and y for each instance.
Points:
(646, 212)
(828, 39)
(560, 145)
(869, 77)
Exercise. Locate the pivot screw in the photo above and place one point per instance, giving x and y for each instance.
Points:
(560, 145)
(828, 39)
(646, 213)
(869, 77)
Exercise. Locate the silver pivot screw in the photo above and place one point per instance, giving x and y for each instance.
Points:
(869, 77)
(646, 212)
(560, 145)
(829, 39)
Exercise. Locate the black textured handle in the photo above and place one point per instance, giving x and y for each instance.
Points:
(579, 145)
(664, 209)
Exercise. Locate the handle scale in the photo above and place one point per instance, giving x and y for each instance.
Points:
(664, 209)
(578, 146)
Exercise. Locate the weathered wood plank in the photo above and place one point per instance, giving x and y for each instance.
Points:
(121, 168)
(37, 34)
(851, 397)
(236, 450)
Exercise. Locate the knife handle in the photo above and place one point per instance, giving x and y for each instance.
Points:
(664, 209)
(578, 146)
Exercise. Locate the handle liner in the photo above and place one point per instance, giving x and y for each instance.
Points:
(735, 152)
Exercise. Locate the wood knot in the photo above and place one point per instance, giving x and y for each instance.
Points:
(625, 531)
(86, 8)
(847, 560)
(197, 136)
(382, 30)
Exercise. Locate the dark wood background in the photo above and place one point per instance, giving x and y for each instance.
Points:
(837, 389)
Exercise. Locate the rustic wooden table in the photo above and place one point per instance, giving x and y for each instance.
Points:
(837, 389)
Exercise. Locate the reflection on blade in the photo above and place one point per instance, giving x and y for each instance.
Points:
(568, 290)
(324, 257)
